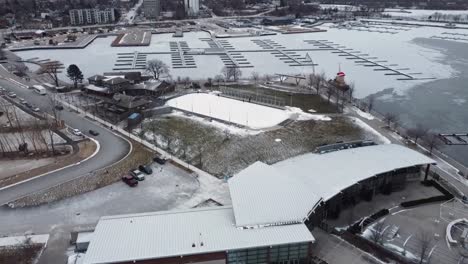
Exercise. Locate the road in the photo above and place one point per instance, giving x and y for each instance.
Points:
(112, 147)
(129, 17)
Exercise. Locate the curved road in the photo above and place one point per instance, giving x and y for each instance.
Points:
(112, 147)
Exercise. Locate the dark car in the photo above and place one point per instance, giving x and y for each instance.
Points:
(28, 105)
(160, 160)
(94, 133)
(59, 107)
(130, 181)
(145, 168)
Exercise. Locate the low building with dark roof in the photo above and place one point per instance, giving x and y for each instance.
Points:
(96, 80)
(116, 84)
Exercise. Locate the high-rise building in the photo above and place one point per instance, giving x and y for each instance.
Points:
(152, 8)
(192, 7)
(92, 16)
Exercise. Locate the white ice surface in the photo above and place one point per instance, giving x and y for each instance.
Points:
(398, 48)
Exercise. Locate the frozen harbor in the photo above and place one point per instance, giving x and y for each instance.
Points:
(434, 58)
(392, 48)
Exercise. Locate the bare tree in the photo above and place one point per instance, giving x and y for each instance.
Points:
(370, 103)
(377, 232)
(218, 79)
(390, 118)
(231, 72)
(425, 244)
(417, 132)
(351, 90)
(54, 103)
(311, 80)
(2, 54)
(157, 69)
(186, 82)
(255, 77)
(432, 141)
(330, 91)
(267, 78)
(52, 70)
(320, 80)
(51, 125)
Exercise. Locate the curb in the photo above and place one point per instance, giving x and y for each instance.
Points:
(98, 146)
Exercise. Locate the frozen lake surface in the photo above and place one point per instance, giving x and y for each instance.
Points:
(393, 47)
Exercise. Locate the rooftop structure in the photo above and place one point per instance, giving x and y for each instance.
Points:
(287, 191)
(180, 233)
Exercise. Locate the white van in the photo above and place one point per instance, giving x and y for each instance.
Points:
(39, 89)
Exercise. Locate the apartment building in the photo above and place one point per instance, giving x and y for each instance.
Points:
(92, 16)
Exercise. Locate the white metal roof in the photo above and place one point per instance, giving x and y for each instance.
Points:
(288, 190)
(259, 187)
(172, 233)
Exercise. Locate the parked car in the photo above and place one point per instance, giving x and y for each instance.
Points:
(160, 160)
(146, 169)
(94, 133)
(59, 107)
(77, 132)
(11, 95)
(28, 105)
(23, 101)
(129, 180)
(138, 175)
(36, 109)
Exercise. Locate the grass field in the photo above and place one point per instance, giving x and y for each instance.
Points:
(220, 152)
(303, 101)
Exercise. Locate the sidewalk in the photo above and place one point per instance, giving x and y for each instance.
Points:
(443, 168)
(207, 181)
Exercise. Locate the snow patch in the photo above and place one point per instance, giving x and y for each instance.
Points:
(301, 115)
(218, 125)
(20, 240)
(363, 114)
(376, 136)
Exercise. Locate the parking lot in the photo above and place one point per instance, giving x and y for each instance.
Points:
(412, 224)
(168, 187)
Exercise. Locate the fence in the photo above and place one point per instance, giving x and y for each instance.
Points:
(253, 97)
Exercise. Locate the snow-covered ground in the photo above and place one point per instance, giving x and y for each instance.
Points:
(20, 240)
(242, 113)
(423, 13)
(397, 50)
(371, 133)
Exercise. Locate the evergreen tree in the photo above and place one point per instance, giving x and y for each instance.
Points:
(75, 74)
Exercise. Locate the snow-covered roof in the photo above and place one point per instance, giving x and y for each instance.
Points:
(253, 189)
(97, 88)
(179, 233)
(287, 191)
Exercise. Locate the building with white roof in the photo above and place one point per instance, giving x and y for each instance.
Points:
(288, 191)
(272, 208)
(209, 234)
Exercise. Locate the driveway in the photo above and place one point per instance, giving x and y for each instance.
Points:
(112, 147)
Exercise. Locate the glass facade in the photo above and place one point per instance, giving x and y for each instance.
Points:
(285, 254)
